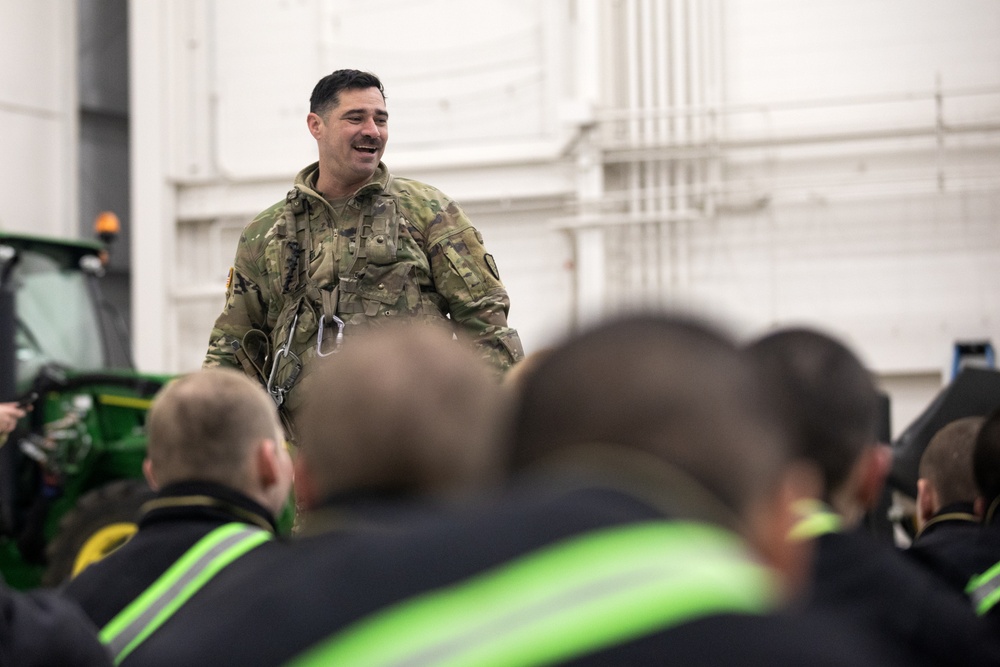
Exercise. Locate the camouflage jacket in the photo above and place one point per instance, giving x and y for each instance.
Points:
(396, 248)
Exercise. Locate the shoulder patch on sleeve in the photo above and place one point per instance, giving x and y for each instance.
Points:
(488, 258)
(229, 279)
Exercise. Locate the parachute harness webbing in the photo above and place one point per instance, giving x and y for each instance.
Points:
(583, 594)
(176, 586)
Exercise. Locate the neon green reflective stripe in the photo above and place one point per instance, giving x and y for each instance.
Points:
(817, 519)
(581, 595)
(176, 586)
(984, 590)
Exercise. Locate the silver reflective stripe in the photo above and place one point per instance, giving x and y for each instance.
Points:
(546, 608)
(567, 599)
(172, 589)
(982, 593)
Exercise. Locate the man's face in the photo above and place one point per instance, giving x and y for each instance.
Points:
(351, 139)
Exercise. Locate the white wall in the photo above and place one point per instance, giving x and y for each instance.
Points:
(38, 121)
(846, 176)
(888, 237)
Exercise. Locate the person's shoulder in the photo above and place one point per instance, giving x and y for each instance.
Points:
(258, 233)
(984, 551)
(41, 627)
(802, 638)
(409, 187)
(988, 538)
(950, 541)
(257, 229)
(428, 209)
(877, 584)
(854, 570)
(858, 555)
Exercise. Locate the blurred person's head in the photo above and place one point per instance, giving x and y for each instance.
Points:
(515, 376)
(945, 472)
(986, 466)
(674, 405)
(401, 411)
(217, 425)
(831, 407)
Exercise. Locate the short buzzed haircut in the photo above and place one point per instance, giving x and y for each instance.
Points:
(986, 458)
(661, 385)
(829, 398)
(947, 461)
(326, 93)
(204, 425)
(401, 410)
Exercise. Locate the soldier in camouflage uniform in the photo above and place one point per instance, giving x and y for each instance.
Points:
(353, 247)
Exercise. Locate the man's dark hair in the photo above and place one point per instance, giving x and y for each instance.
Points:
(326, 93)
(986, 457)
(828, 397)
(947, 461)
(666, 389)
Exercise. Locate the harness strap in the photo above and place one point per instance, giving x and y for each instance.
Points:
(372, 224)
(295, 222)
(248, 365)
(327, 319)
(578, 596)
(359, 246)
(377, 206)
(253, 353)
(984, 590)
(177, 585)
(303, 234)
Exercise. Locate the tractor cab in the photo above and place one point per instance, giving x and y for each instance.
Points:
(70, 473)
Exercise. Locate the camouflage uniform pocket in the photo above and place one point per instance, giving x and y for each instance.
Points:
(467, 259)
(511, 343)
(382, 290)
(380, 246)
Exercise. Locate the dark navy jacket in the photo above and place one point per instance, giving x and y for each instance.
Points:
(270, 610)
(180, 515)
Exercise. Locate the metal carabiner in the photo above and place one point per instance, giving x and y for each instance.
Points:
(337, 341)
(278, 393)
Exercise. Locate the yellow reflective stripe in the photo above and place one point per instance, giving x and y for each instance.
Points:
(816, 519)
(984, 590)
(177, 585)
(582, 595)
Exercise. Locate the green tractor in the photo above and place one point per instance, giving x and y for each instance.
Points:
(71, 477)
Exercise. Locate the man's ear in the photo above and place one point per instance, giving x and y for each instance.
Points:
(979, 507)
(147, 471)
(927, 502)
(877, 461)
(306, 496)
(315, 125)
(267, 463)
(770, 525)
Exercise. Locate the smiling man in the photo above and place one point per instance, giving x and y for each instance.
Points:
(352, 247)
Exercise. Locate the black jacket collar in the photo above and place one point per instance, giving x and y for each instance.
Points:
(195, 499)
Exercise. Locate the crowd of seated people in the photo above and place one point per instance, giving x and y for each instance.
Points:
(650, 490)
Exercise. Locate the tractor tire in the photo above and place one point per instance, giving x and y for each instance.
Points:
(102, 520)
